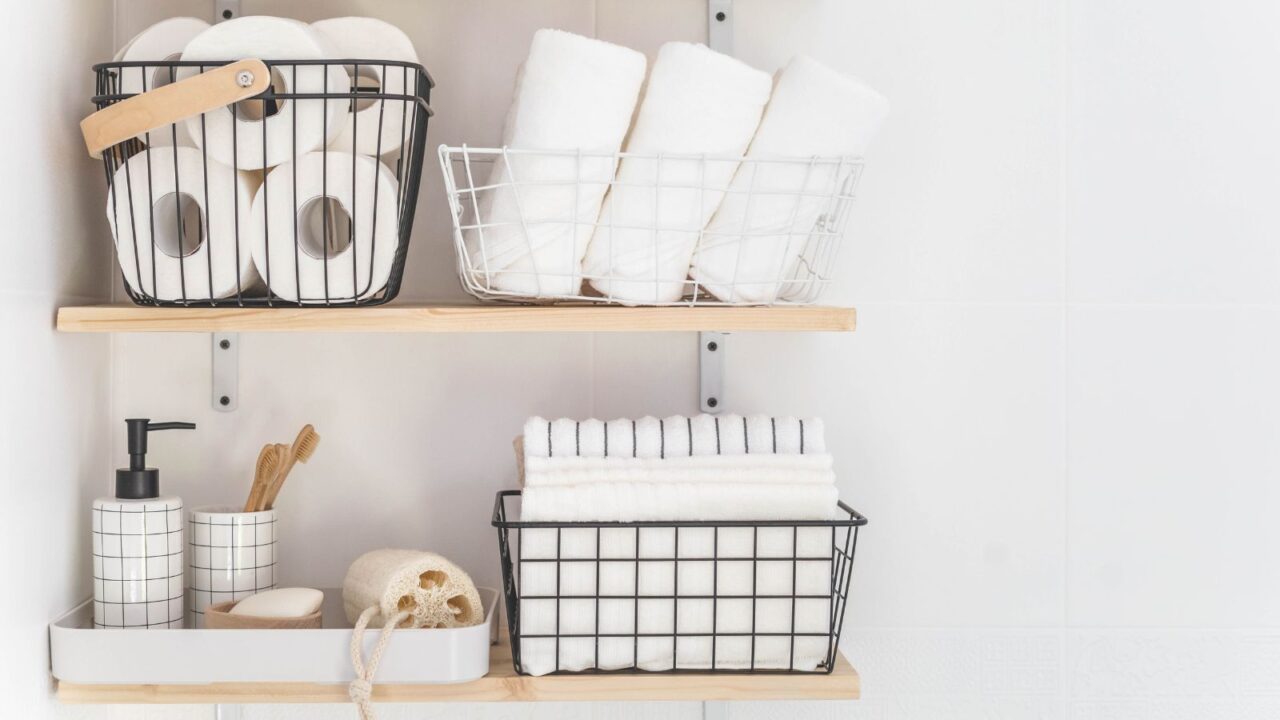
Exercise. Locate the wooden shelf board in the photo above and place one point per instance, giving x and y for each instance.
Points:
(457, 318)
(502, 684)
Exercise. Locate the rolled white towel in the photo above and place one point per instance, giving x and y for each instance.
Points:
(814, 469)
(573, 93)
(788, 561)
(628, 502)
(696, 101)
(676, 436)
(751, 250)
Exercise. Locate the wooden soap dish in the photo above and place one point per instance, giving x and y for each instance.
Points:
(219, 617)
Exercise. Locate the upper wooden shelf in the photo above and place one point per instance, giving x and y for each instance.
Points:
(457, 318)
(502, 684)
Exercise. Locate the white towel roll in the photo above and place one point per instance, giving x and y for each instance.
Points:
(162, 42)
(750, 250)
(235, 137)
(696, 101)
(378, 127)
(295, 266)
(147, 202)
(574, 93)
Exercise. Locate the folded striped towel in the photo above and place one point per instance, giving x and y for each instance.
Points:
(675, 436)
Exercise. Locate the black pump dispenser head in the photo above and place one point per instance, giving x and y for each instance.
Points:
(139, 482)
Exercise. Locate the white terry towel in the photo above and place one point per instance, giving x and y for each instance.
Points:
(812, 469)
(675, 436)
(697, 101)
(626, 502)
(751, 248)
(774, 577)
(573, 93)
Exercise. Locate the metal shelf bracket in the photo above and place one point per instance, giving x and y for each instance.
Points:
(226, 371)
(720, 26)
(711, 349)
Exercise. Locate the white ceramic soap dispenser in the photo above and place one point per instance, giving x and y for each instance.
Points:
(137, 544)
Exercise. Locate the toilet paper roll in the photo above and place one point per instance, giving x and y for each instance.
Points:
(162, 42)
(360, 249)
(298, 126)
(378, 128)
(175, 233)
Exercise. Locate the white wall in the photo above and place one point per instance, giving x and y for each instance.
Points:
(54, 388)
(1055, 410)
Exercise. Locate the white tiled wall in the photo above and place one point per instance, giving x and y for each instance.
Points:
(1056, 410)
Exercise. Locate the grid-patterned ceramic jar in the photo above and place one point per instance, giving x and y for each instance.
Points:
(137, 563)
(232, 555)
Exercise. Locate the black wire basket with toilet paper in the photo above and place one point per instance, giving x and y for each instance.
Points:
(261, 183)
(684, 596)
(646, 229)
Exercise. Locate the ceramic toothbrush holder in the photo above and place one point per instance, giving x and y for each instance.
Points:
(232, 555)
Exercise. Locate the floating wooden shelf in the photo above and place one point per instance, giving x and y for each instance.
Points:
(457, 318)
(502, 684)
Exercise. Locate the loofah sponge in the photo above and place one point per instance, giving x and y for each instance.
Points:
(436, 593)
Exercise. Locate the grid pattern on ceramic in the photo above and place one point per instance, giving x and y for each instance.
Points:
(232, 555)
(137, 564)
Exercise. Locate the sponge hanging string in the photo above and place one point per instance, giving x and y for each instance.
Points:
(361, 689)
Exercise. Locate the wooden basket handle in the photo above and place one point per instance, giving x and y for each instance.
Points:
(174, 102)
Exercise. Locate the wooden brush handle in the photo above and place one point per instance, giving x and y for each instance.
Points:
(285, 460)
(259, 487)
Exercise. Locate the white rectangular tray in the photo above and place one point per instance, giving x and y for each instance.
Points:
(82, 654)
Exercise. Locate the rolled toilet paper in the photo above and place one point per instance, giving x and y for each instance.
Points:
(176, 217)
(374, 127)
(162, 42)
(236, 136)
(292, 232)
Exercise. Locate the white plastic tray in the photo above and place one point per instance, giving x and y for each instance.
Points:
(81, 654)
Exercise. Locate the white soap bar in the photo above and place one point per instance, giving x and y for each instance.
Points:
(280, 603)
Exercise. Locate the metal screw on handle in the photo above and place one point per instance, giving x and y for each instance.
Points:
(244, 78)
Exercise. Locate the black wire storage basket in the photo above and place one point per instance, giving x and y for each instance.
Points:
(781, 613)
(261, 183)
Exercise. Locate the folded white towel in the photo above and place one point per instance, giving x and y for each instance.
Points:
(812, 469)
(675, 436)
(626, 502)
(696, 101)
(751, 249)
(784, 569)
(573, 93)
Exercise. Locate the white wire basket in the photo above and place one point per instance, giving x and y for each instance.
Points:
(646, 229)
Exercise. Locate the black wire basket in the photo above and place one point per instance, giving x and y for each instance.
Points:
(261, 183)
(781, 613)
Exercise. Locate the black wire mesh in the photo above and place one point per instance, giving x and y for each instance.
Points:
(399, 89)
(714, 648)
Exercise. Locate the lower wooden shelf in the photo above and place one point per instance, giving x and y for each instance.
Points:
(502, 684)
